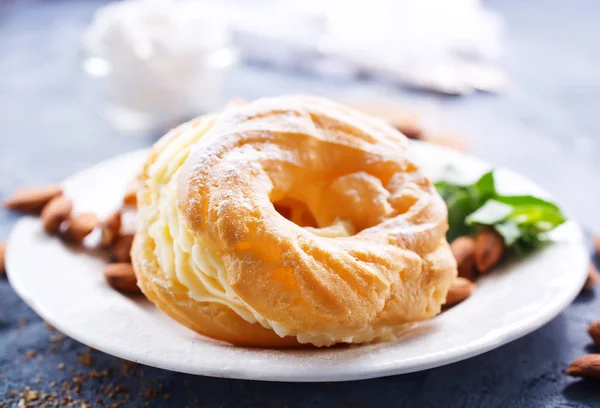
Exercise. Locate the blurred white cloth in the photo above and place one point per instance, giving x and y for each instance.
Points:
(446, 46)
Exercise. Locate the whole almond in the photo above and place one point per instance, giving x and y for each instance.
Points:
(597, 245)
(121, 277)
(592, 278)
(32, 199)
(408, 125)
(79, 227)
(587, 366)
(463, 249)
(122, 248)
(130, 198)
(111, 227)
(594, 331)
(2, 257)
(489, 248)
(460, 290)
(55, 212)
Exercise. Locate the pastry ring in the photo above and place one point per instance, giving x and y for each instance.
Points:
(290, 220)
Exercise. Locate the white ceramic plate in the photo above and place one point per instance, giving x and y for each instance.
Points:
(66, 287)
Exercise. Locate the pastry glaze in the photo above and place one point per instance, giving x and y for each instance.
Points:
(290, 220)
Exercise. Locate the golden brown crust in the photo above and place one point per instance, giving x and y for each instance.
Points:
(336, 164)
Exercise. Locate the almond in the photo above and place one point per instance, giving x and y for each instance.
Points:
(460, 290)
(32, 199)
(79, 227)
(110, 229)
(587, 366)
(597, 245)
(55, 212)
(130, 198)
(121, 277)
(594, 331)
(408, 126)
(122, 248)
(489, 248)
(2, 257)
(592, 278)
(463, 249)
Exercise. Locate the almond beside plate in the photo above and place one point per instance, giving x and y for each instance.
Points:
(67, 288)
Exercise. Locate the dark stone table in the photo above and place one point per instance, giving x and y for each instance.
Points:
(546, 126)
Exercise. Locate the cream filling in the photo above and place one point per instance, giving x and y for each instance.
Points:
(193, 260)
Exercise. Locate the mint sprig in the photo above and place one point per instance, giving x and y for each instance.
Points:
(523, 221)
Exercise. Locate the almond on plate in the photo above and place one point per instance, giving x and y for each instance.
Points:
(55, 213)
(460, 290)
(130, 198)
(587, 366)
(2, 257)
(122, 248)
(463, 249)
(79, 227)
(111, 227)
(32, 199)
(489, 248)
(121, 277)
(408, 125)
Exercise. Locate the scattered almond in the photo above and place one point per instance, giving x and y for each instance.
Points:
(55, 212)
(408, 125)
(79, 227)
(121, 277)
(489, 248)
(587, 366)
(594, 331)
(592, 278)
(130, 198)
(463, 249)
(2, 257)
(460, 290)
(122, 248)
(32, 199)
(110, 229)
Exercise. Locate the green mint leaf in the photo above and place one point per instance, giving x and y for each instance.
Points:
(529, 241)
(522, 220)
(459, 206)
(544, 218)
(526, 200)
(509, 231)
(446, 189)
(486, 186)
(492, 212)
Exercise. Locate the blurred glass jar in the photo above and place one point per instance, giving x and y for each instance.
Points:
(159, 62)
